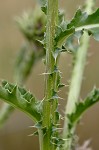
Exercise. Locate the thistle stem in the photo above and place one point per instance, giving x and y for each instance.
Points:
(52, 17)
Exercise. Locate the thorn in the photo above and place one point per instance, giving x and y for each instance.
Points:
(41, 101)
(31, 134)
(59, 104)
(45, 74)
(62, 118)
(61, 98)
(79, 41)
(31, 127)
(67, 85)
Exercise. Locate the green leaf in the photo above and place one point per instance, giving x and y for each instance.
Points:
(84, 21)
(81, 21)
(81, 107)
(20, 98)
(62, 36)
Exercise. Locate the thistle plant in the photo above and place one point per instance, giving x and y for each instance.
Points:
(59, 37)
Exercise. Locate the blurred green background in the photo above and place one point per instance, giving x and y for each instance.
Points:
(14, 135)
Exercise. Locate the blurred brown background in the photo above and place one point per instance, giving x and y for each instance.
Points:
(14, 135)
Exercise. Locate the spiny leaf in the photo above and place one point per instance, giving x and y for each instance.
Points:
(81, 21)
(81, 107)
(20, 98)
(71, 45)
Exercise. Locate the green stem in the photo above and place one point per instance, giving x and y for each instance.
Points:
(52, 17)
(75, 87)
(77, 74)
(40, 139)
(76, 82)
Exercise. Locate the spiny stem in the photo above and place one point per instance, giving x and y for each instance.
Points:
(76, 81)
(52, 17)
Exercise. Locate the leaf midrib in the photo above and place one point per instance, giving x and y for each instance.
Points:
(92, 26)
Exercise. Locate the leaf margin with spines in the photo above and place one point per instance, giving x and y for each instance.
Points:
(21, 99)
(81, 107)
(80, 22)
